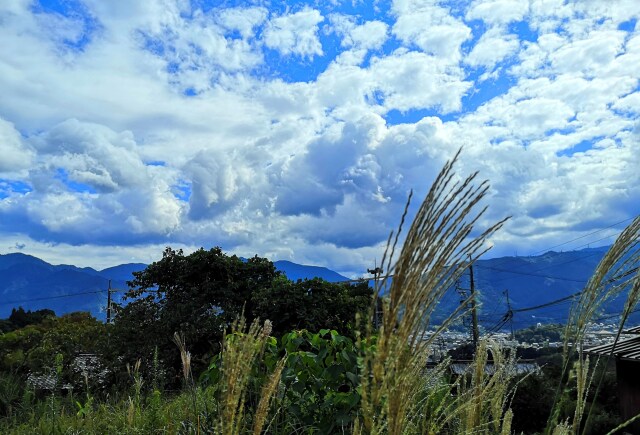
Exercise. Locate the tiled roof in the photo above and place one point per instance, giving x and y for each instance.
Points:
(635, 330)
(461, 368)
(82, 363)
(46, 382)
(626, 349)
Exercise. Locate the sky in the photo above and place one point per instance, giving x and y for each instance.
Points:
(295, 130)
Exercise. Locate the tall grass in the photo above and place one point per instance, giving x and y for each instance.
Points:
(617, 273)
(239, 355)
(436, 252)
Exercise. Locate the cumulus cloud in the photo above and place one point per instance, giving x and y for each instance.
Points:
(220, 181)
(430, 27)
(413, 80)
(368, 35)
(140, 125)
(492, 47)
(295, 33)
(90, 185)
(243, 20)
(498, 12)
(16, 156)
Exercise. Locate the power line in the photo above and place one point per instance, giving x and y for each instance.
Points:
(531, 274)
(542, 251)
(509, 314)
(589, 234)
(548, 304)
(44, 298)
(616, 315)
(566, 298)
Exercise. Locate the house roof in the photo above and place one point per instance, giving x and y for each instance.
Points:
(46, 382)
(635, 330)
(624, 349)
(464, 367)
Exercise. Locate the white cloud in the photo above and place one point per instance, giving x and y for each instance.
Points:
(115, 154)
(16, 156)
(244, 20)
(370, 35)
(629, 103)
(498, 12)
(295, 33)
(220, 180)
(492, 48)
(90, 184)
(411, 80)
(431, 28)
(588, 56)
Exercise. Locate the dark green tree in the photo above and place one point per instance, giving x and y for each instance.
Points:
(201, 294)
(33, 348)
(198, 294)
(312, 304)
(19, 318)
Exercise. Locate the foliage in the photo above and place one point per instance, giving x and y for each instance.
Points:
(198, 295)
(32, 349)
(311, 304)
(19, 318)
(318, 383)
(540, 334)
(11, 390)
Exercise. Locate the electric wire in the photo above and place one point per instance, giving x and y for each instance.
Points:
(44, 298)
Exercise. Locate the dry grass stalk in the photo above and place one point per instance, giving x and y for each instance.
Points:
(437, 250)
(582, 388)
(268, 392)
(616, 273)
(428, 412)
(240, 350)
(185, 357)
(480, 406)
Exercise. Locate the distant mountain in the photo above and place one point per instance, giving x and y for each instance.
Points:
(9, 260)
(299, 271)
(123, 272)
(531, 281)
(32, 283)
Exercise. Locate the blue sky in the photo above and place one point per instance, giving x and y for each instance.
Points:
(295, 130)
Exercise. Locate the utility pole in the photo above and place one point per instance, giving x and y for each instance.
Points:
(474, 312)
(509, 313)
(109, 304)
(463, 298)
(376, 272)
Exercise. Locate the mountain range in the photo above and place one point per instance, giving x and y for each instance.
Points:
(32, 283)
(530, 281)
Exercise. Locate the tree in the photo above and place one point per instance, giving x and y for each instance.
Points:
(312, 304)
(199, 294)
(20, 318)
(33, 348)
(202, 293)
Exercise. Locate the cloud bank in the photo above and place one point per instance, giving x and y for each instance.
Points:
(296, 132)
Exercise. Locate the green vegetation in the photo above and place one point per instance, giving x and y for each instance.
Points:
(540, 334)
(20, 318)
(189, 353)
